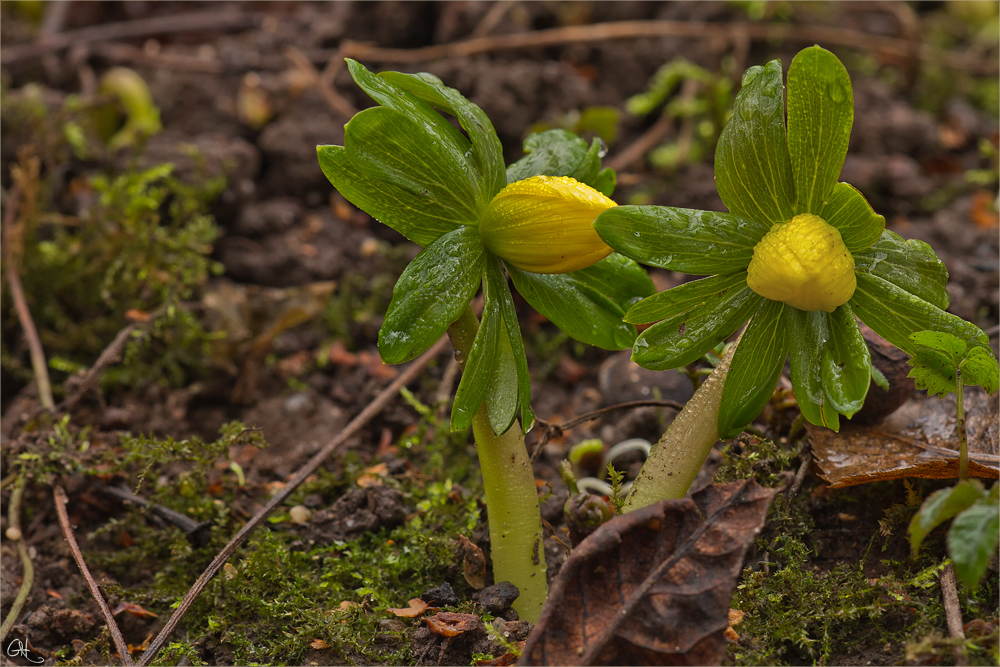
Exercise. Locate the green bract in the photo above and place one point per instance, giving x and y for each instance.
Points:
(410, 168)
(766, 176)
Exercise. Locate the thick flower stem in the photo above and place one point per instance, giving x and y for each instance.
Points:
(675, 460)
(511, 497)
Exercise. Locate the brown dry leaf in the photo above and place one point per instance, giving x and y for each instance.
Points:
(917, 440)
(373, 476)
(449, 624)
(653, 586)
(506, 659)
(320, 644)
(134, 609)
(473, 563)
(415, 608)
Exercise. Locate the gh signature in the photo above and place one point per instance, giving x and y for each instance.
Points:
(16, 649)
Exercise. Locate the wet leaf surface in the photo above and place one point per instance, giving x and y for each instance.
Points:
(918, 440)
(652, 587)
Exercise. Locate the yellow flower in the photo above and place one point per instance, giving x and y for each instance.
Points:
(543, 224)
(804, 263)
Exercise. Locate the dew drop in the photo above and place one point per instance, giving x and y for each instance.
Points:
(602, 148)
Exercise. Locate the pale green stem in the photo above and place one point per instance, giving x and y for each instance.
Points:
(14, 521)
(675, 460)
(963, 443)
(515, 521)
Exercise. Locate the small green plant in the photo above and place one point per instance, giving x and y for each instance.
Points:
(703, 108)
(799, 255)
(942, 365)
(406, 165)
(139, 250)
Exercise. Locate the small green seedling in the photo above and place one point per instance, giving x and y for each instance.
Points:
(942, 365)
(478, 222)
(703, 107)
(799, 255)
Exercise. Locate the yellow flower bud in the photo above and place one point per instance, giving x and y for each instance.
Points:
(543, 224)
(804, 263)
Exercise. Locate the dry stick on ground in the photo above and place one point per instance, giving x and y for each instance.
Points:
(550, 430)
(112, 354)
(109, 619)
(654, 135)
(337, 104)
(28, 576)
(227, 19)
(373, 408)
(899, 48)
(953, 614)
(38, 362)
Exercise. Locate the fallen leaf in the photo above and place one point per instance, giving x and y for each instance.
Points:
(320, 644)
(735, 618)
(415, 608)
(983, 210)
(473, 563)
(134, 609)
(450, 624)
(652, 586)
(917, 440)
(505, 659)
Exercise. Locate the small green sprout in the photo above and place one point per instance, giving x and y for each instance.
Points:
(142, 117)
(799, 255)
(942, 365)
(478, 221)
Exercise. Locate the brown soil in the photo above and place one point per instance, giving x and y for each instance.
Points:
(285, 227)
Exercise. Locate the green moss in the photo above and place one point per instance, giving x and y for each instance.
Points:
(139, 248)
(280, 602)
(801, 608)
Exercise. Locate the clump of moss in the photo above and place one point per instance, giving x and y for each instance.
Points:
(801, 609)
(137, 250)
(283, 601)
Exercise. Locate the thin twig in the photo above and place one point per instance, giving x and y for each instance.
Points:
(337, 104)
(550, 430)
(800, 476)
(492, 18)
(227, 19)
(654, 135)
(109, 618)
(117, 52)
(645, 143)
(597, 32)
(38, 362)
(112, 354)
(953, 614)
(372, 409)
(14, 524)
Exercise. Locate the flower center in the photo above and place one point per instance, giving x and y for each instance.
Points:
(804, 263)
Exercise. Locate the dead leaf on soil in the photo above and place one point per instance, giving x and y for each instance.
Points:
(415, 608)
(918, 440)
(450, 624)
(473, 563)
(504, 660)
(134, 609)
(320, 644)
(653, 586)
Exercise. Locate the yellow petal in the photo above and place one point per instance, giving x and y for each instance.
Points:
(804, 263)
(543, 224)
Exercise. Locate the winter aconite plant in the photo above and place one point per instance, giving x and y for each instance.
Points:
(800, 255)
(477, 220)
